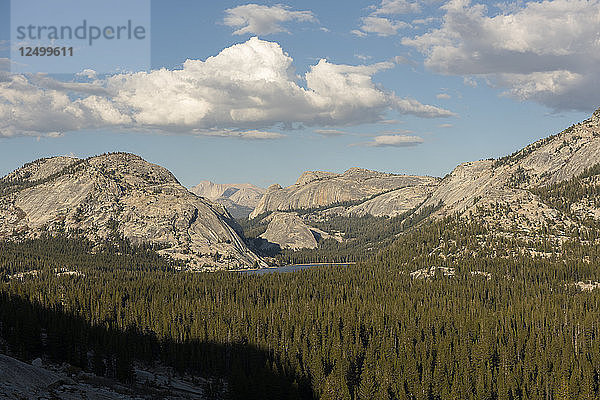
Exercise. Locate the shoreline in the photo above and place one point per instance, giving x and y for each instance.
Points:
(289, 265)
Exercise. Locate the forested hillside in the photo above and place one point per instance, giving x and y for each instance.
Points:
(368, 331)
(486, 289)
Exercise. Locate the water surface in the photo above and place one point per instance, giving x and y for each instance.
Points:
(287, 268)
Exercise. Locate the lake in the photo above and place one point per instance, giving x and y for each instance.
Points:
(288, 268)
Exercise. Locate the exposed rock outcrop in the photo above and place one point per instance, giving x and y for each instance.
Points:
(318, 189)
(289, 232)
(393, 203)
(120, 193)
(484, 185)
(19, 380)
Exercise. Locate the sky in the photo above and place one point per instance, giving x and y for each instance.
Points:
(233, 91)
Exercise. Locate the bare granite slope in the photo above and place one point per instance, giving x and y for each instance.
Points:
(20, 380)
(478, 187)
(501, 192)
(121, 193)
(289, 232)
(317, 189)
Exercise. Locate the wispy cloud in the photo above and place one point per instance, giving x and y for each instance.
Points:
(250, 135)
(380, 26)
(397, 131)
(424, 21)
(358, 33)
(387, 7)
(392, 141)
(470, 81)
(329, 132)
(443, 96)
(379, 21)
(404, 60)
(362, 57)
(4, 64)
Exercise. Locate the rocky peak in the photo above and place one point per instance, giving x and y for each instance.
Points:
(238, 198)
(40, 169)
(289, 232)
(145, 200)
(595, 118)
(318, 189)
(132, 169)
(357, 171)
(311, 176)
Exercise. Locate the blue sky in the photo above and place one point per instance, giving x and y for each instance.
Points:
(442, 82)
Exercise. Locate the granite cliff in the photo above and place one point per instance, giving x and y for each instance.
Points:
(320, 189)
(120, 194)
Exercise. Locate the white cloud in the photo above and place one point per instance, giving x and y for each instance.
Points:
(388, 7)
(362, 57)
(27, 109)
(251, 135)
(87, 73)
(378, 23)
(545, 51)
(381, 26)
(404, 60)
(394, 141)
(443, 96)
(358, 33)
(469, 81)
(329, 132)
(248, 87)
(263, 20)
(445, 126)
(424, 21)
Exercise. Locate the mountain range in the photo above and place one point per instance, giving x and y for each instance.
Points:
(120, 194)
(239, 199)
(507, 193)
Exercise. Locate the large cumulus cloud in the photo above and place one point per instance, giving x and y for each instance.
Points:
(248, 86)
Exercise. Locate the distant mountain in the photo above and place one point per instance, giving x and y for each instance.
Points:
(120, 194)
(548, 185)
(238, 198)
(320, 195)
(316, 189)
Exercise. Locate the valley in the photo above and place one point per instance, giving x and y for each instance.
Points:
(482, 284)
